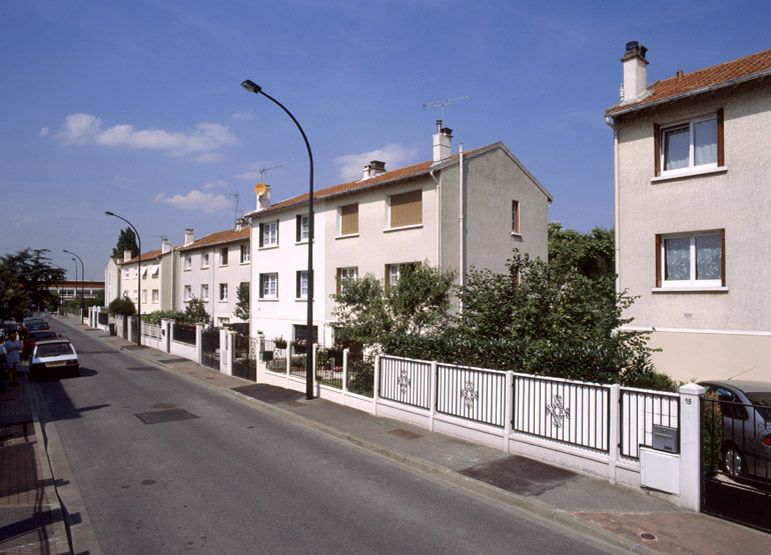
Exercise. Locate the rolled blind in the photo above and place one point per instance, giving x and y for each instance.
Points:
(407, 209)
(349, 216)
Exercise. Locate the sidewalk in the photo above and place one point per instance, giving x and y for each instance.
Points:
(626, 517)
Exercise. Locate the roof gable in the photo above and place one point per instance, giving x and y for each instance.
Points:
(218, 238)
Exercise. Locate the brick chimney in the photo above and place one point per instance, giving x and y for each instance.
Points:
(442, 142)
(188, 236)
(375, 167)
(635, 72)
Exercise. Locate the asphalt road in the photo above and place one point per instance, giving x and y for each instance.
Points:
(229, 478)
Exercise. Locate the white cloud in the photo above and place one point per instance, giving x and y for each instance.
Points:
(244, 115)
(203, 140)
(216, 184)
(196, 201)
(44, 132)
(393, 154)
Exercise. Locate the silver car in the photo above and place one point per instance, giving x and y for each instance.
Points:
(746, 442)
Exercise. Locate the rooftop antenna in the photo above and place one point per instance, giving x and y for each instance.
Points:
(443, 103)
(263, 169)
(237, 213)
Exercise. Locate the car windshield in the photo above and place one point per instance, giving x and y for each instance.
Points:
(762, 402)
(54, 349)
(42, 334)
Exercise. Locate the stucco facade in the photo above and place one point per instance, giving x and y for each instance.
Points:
(705, 329)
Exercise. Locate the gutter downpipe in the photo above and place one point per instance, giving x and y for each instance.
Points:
(461, 225)
(617, 220)
(438, 182)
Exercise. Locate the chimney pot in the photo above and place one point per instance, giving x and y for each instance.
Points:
(635, 72)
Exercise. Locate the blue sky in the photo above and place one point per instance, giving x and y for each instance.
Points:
(136, 107)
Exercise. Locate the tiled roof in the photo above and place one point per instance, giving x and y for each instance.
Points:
(218, 238)
(746, 68)
(149, 255)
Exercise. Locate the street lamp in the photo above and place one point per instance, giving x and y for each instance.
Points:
(256, 89)
(82, 277)
(76, 285)
(139, 276)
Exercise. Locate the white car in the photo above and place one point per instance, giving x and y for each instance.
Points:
(55, 358)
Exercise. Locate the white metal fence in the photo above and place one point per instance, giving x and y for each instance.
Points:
(472, 393)
(641, 410)
(406, 381)
(152, 331)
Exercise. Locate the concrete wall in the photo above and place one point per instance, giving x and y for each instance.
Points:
(735, 200)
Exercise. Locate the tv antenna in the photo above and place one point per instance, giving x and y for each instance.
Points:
(263, 169)
(442, 104)
(236, 211)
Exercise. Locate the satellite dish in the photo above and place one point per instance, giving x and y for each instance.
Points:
(260, 189)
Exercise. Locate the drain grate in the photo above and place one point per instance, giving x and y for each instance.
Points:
(143, 369)
(161, 416)
(404, 434)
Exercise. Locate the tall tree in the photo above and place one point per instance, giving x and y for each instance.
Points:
(25, 279)
(242, 305)
(127, 240)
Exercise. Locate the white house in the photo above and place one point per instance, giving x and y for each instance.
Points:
(693, 217)
(157, 271)
(455, 211)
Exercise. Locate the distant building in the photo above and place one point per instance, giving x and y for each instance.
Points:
(70, 289)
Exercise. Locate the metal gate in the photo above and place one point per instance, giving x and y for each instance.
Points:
(210, 347)
(245, 357)
(736, 457)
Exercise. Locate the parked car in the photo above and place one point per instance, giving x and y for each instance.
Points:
(746, 410)
(33, 337)
(35, 323)
(8, 327)
(55, 358)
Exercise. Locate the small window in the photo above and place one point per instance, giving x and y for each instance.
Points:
(269, 234)
(155, 296)
(155, 270)
(144, 272)
(406, 209)
(689, 146)
(188, 293)
(345, 275)
(245, 253)
(393, 272)
(691, 260)
(349, 219)
(301, 286)
(224, 256)
(205, 260)
(144, 295)
(223, 291)
(188, 262)
(302, 229)
(269, 286)
(205, 292)
(515, 222)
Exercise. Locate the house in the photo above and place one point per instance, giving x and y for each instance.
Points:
(157, 271)
(112, 289)
(212, 268)
(455, 211)
(693, 217)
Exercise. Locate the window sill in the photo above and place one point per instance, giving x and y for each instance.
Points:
(300, 300)
(244, 263)
(303, 242)
(689, 173)
(267, 247)
(516, 234)
(690, 289)
(222, 301)
(349, 236)
(203, 267)
(268, 300)
(404, 227)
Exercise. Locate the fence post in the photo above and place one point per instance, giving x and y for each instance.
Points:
(690, 446)
(345, 369)
(434, 395)
(261, 366)
(314, 350)
(376, 383)
(614, 425)
(508, 411)
(226, 352)
(165, 334)
(199, 343)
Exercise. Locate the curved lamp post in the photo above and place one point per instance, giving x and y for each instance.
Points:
(139, 276)
(76, 286)
(256, 89)
(82, 277)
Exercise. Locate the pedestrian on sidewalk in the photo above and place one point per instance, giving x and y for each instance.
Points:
(12, 356)
(2, 364)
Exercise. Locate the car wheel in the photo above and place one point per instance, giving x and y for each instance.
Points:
(733, 462)
(75, 372)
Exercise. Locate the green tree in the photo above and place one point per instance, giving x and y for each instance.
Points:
(195, 312)
(591, 254)
(25, 280)
(127, 240)
(122, 306)
(242, 302)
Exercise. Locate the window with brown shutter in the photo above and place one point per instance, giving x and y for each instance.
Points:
(407, 209)
(349, 219)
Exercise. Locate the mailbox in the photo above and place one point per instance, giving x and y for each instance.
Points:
(665, 439)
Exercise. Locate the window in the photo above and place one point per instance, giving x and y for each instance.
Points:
(689, 146)
(205, 292)
(125, 273)
(134, 294)
(154, 270)
(691, 260)
(125, 294)
(224, 320)
(395, 271)
(188, 262)
(205, 260)
(144, 295)
(349, 219)
(302, 229)
(144, 272)
(188, 293)
(515, 221)
(245, 254)
(223, 291)
(269, 234)
(155, 296)
(301, 285)
(406, 209)
(269, 286)
(344, 275)
(224, 256)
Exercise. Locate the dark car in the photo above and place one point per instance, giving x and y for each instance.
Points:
(35, 323)
(746, 442)
(33, 337)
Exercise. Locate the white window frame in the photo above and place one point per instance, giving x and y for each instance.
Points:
(692, 282)
(204, 260)
(188, 293)
(144, 295)
(269, 231)
(223, 292)
(302, 285)
(245, 254)
(155, 296)
(225, 258)
(691, 167)
(271, 280)
(304, 230)
(188, 262)
(204, 291)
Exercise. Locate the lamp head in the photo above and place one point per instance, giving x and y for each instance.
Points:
(251, 86)
(108, 213)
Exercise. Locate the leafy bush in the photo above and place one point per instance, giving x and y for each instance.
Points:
(155, 317)
(195, 312)
(122, 307)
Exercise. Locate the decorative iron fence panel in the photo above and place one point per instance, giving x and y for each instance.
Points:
(184, 333)
(152, 331)
(210, 347)
(642, 410)
(104, 318)
(575, 413)
(472, 393)
(245, 357)
(405, 381)
(274, 357)
(360, 374)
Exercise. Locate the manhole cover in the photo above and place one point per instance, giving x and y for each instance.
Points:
(172, 360)
(648, 536)
(160, 416)
(404, 434)
(143, 369)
